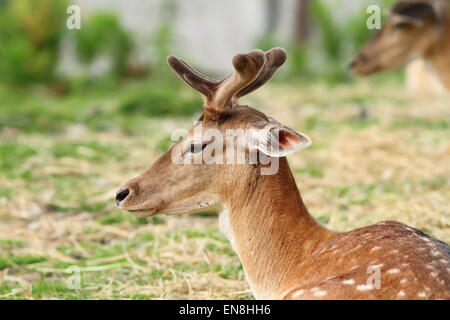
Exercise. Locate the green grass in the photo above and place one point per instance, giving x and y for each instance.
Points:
(100, 109)
(10, 243)
(11, 261)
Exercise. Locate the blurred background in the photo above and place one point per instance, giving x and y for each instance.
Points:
(126, 40)
(82, 111)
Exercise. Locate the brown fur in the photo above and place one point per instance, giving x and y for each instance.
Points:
(412, 265)
(284, 251)
(414, 27)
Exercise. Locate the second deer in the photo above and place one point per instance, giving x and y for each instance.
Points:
(415, 29)
(286, 254)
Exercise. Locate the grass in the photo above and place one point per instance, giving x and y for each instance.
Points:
(378, 153)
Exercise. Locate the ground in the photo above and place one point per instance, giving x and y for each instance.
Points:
(378, 153)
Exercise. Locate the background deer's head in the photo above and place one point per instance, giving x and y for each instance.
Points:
(413, 27)
(173, 187)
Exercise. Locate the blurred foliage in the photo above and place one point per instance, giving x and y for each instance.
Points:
(122, 106)
(298, 62)
(30, 34)
(337, 40)
(161, 99)
(163, 38)
(340, 39)
(103, 35)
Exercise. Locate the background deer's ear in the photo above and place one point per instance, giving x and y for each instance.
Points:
(277, 140)
(414, 13)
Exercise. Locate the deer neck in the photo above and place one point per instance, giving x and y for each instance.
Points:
(270, 229)
(439, 54)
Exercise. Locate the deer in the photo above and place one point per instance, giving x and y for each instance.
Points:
(414, 30)
(284, 251)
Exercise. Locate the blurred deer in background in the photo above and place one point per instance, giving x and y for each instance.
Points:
(286, 254)
(415, 29)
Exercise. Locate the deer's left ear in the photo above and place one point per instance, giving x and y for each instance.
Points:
(415, 13)
(277, 140)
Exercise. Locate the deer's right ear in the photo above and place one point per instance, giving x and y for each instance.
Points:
(277, 140)
(414, 13)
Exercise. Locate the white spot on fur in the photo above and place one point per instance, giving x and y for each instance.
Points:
(421, 294)
(349, 281)
(375, 248)
(401, 293)
(320, 293)
(393, 271)
(298, 293)
(364, 287)
(356, 248)
(225, 228)
(435, 253)
(403, 280)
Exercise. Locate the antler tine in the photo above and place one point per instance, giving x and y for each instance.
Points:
(192, 77)
(275, 58)
(247, 67)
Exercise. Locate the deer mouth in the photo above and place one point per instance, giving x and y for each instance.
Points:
(365, 69)
(144, 213)
(199, 207)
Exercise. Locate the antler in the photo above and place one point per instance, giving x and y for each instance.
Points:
(246, 69)
(192, 77)
(219, 94)
(274, 59)
(251, 71)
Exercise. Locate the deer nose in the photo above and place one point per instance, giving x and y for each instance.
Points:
(358, 59)
(352, 64)
(121, 195)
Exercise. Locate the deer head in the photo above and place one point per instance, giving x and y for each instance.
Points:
(182, 180)
(413, 27)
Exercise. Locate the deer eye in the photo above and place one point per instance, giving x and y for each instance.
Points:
(402, 25)
(196, 148)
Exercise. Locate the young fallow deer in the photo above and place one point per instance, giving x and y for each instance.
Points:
(285, 253)
(415, 29)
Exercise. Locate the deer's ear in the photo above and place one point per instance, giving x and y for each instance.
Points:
(414, 13)
(277, 140)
